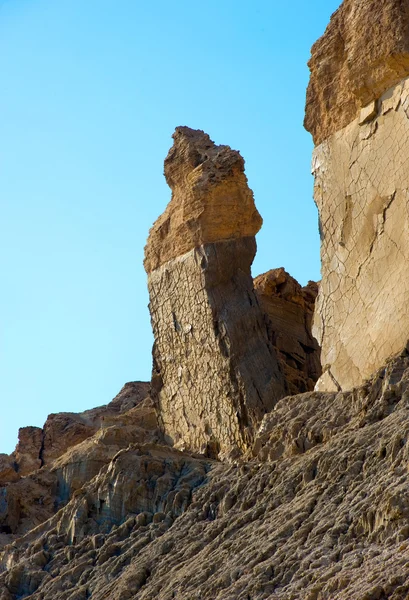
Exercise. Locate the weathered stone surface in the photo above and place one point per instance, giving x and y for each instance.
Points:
(29, 495)
(211, 201)
(357, 110)
(318, 513)
(362, 193)
(364, 52)
(8, 471)
(289, 309)
(27, 455)
(215, 372)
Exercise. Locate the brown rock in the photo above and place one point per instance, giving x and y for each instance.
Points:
(364, 52)
(320, 512)
(37, 447)
(211, 201)
(8, 469)
(27, 454)
(289, 309)
(357, 110)
(80, 446)
(215, 372)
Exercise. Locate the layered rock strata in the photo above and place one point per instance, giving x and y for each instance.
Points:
(215, 372)
(358, 113)
(289, 309)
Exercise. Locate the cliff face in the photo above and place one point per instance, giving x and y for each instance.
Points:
(215, 371)
(51, 463)
(363, 53)
(361, 187)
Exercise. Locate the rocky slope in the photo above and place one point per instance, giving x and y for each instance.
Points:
(361, 187)
(318, 511)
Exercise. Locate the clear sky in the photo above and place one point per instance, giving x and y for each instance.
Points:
(91, 92)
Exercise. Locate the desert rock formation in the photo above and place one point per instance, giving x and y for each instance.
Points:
(289, 309)
(361, 187)
(102, 505)
(215, 371)
(363, 53)
(78, 445)
(317, 512)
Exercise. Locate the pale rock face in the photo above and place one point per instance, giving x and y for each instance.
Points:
(364, 52)
(357, 111)
(362, 193)
(215, 372)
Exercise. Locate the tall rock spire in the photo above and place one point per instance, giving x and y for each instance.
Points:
(215, 371)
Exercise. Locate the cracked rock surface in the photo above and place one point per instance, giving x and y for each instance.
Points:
(362, 193)
(357, 110)
(215, 370)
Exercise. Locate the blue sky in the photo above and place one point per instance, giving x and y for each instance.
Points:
(90, 95)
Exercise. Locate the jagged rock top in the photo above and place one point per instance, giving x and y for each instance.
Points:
(363, 52)
(211, 200)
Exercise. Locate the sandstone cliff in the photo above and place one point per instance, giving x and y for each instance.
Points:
(215, 371)
(357, 110)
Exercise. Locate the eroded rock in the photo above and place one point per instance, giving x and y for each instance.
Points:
(289, 309)
(215, 372)
(27, 455)
(34, 484)
(363, 53)
(320, 511)
(361, 187)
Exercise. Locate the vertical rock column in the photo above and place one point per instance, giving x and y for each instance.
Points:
(358, 113)
(215, 372)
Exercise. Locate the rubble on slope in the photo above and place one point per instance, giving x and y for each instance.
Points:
(317, 512)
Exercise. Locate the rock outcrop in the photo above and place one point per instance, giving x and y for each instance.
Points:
(289, 309)
(215, 372)
(358, 112)
(363, 53)
(317, 511)
(35, 483)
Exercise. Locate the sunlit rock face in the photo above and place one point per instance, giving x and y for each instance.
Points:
(357, 110)
(215, 371)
